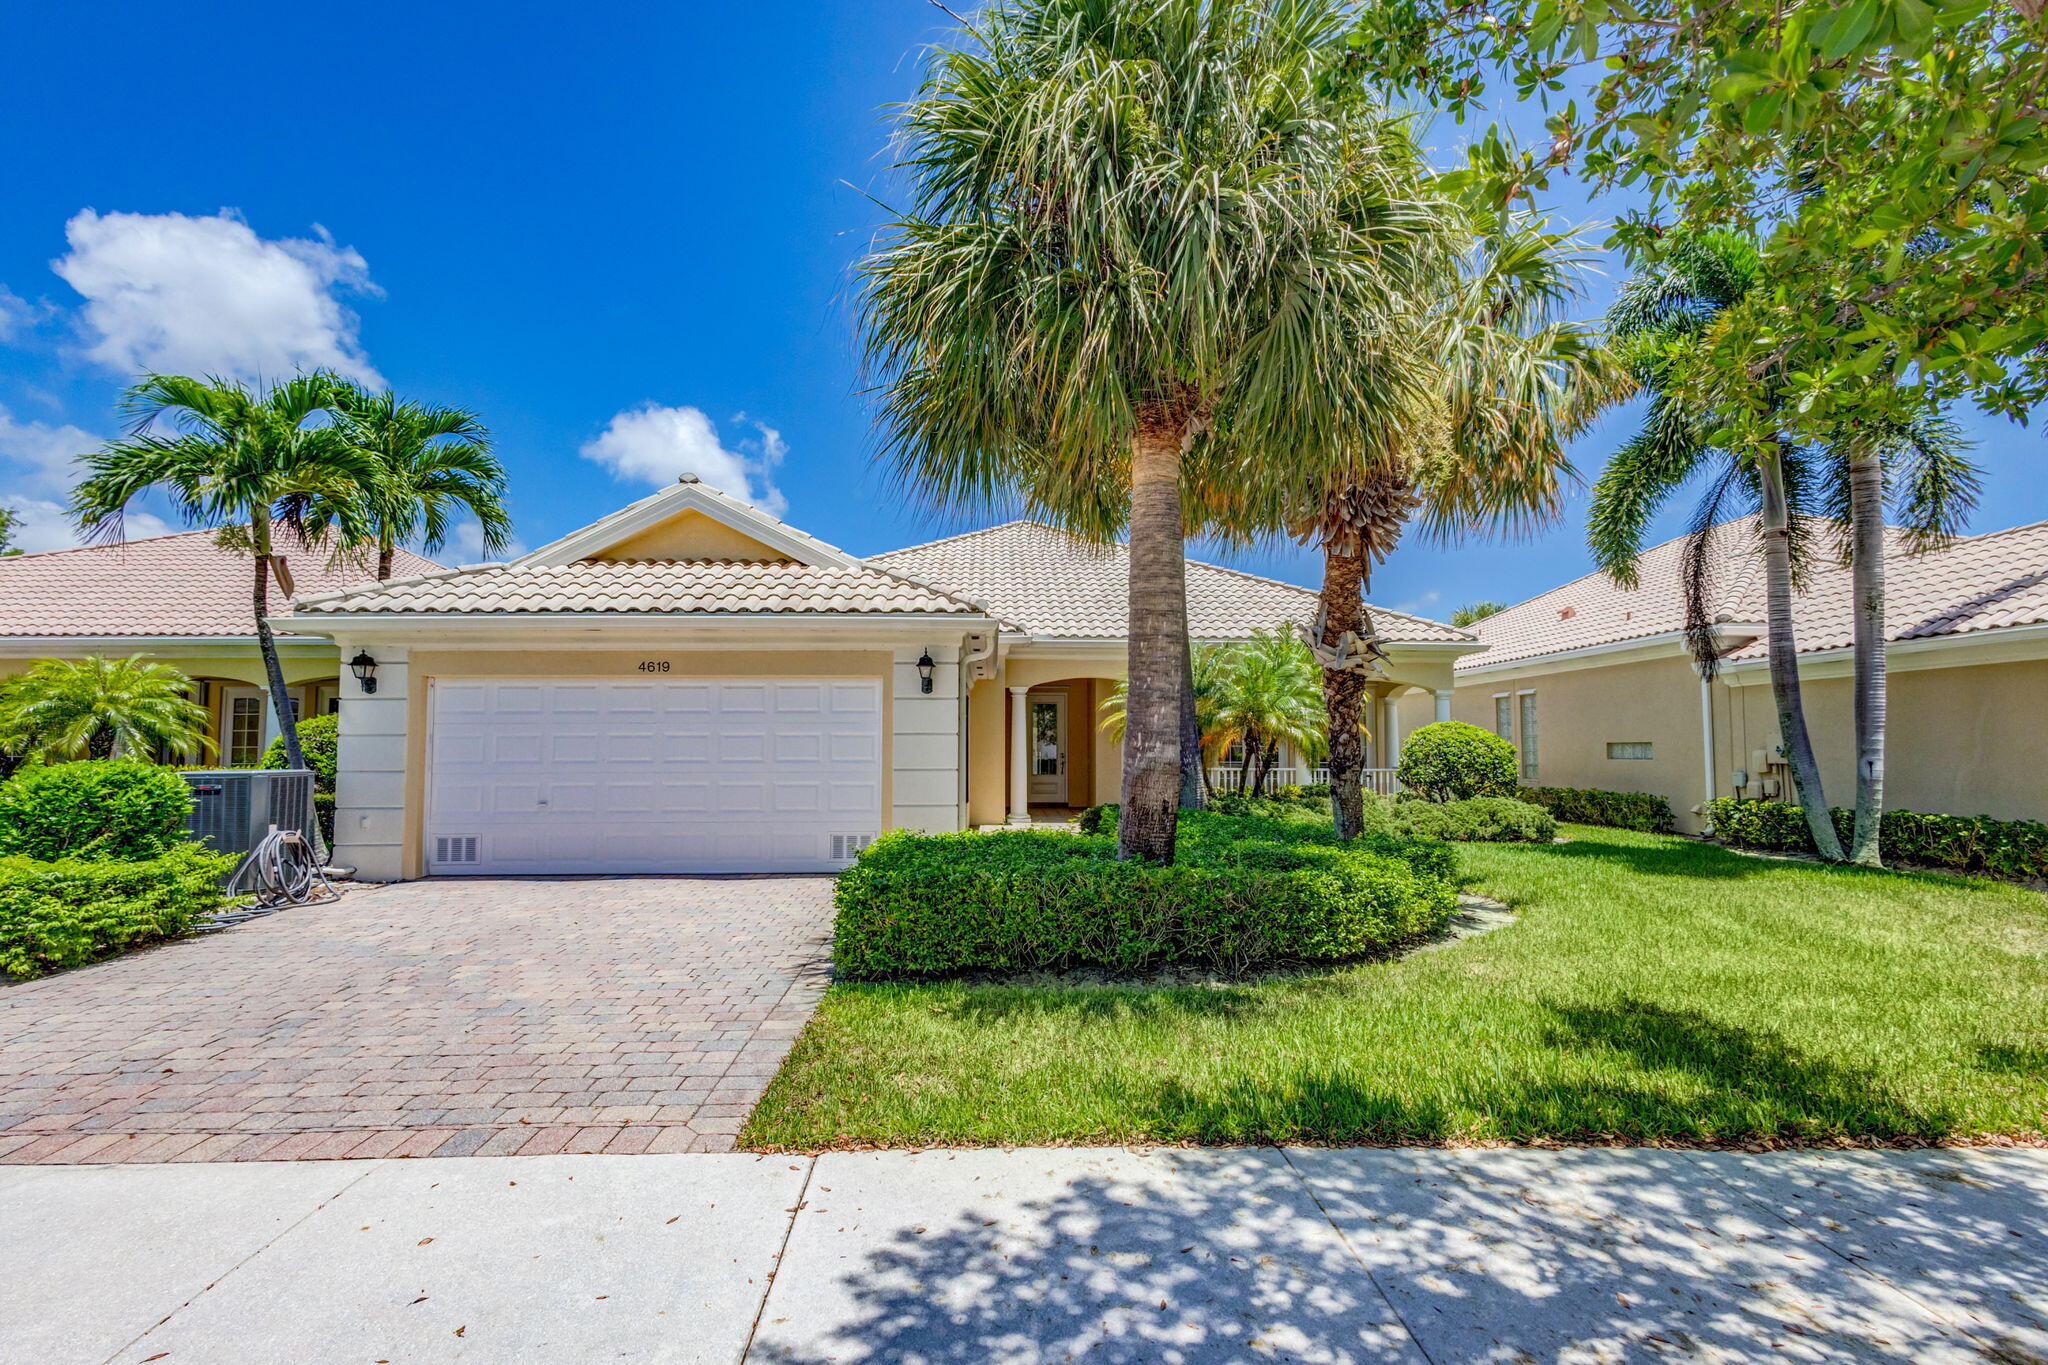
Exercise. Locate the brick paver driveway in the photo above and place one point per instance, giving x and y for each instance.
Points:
(430, 1018)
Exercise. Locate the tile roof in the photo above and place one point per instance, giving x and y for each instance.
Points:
(1976, 583)
(1062, 587)
(175, 585)
(675, 587)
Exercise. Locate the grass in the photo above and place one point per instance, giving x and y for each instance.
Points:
(1654, 989)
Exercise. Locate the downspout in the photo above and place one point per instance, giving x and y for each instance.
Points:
(1708, 766)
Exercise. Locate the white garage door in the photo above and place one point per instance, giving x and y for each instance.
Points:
(703, 775)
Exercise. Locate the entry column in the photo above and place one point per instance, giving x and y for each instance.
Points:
(1020, 756)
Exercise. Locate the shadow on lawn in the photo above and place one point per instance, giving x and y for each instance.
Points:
(1681, 1075)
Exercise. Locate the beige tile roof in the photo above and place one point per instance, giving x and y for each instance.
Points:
(176, 585)
(1978, 583)
(1062, 587)
(667, 586)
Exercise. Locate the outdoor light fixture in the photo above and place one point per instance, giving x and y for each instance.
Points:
(365, 669)
(924, 669)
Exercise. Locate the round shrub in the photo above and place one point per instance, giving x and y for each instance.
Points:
(100, 808)
(320, 742)
(1453, 761)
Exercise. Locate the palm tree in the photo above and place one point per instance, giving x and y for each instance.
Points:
(98, 708)
(1472, 613)
(1472, 442)
(239, 457)
(1209, 668)
(1658, 317)
(1142, 236)
(427, 466)
(8, 518)
(1270, 696)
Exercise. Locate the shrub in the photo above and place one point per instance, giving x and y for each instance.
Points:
(99, 808)
(2015, 849)
(1591, 806)
(1096, 818)
(320, 742)
(1246, 892)
(1482, 819)
(1452, 761)
(71, 911)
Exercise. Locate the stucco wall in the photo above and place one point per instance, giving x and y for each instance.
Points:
(692, 535)
(1579, 712)
(1967, 740)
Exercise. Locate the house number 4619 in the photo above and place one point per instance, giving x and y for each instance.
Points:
(654, 665)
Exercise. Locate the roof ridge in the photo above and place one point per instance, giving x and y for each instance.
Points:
(115, 544)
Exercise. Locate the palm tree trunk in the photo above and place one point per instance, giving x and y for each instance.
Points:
(1866, 514)
(1244, 765)
(385, 552)
(1193, 781)
(280, 700)
(1784, 658)
(1158, 653)
(1344, 690)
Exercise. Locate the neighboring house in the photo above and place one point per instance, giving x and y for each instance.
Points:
(692, 685)
(183, 601)
(1597, 688)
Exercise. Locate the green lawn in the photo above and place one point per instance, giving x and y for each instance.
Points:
(1653, 988)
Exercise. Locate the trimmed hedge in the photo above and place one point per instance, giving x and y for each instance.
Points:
(1449, 760)
(2014, 849)
(1244, 893)
(71, 911)
(1645, 811)
(98, 808)
(1483, 819)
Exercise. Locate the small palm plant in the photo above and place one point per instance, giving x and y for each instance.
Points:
(425, 468)
(100, 708)
(238, 457)
(1272, 696)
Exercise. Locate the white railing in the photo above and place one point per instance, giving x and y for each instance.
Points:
(1380, 781)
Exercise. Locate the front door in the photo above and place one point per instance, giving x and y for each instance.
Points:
(1049, 749)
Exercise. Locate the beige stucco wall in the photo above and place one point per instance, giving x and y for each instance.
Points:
(1579, 712)
(691, 535)
(1966, 740)
(1094, 760)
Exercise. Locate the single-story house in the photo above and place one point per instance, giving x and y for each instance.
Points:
(691, 685)
(183, 601)
(1595, 685)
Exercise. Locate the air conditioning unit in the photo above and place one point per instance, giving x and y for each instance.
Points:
(233, 808)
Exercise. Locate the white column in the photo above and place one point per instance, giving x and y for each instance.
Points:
(1392, 710)
(370, 818)
(1709, 764)
(1020, 757)
(1443, 703)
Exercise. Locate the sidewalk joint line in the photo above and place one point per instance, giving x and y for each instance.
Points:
(214, 1283)
(1365, 1269)
(796, 1212)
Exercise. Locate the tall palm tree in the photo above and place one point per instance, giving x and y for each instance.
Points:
(243, 458)
(1471, 442)
(427, 467)
(1658, 317)
(98, 708)
(1134, 226)
(1209, 668)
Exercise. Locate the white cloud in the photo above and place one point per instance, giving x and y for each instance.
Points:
(207, 296)
(41, 524)
(16, 314)
(36, 457)
(657, 444)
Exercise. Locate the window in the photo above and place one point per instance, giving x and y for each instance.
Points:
(1045, 739)
(245, 731)
(1633, 748)
(1504, 716)
(1527, 709)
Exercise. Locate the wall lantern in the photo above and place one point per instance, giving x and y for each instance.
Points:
(924, 670)
(365, 669)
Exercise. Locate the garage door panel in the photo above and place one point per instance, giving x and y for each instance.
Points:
(651, 776)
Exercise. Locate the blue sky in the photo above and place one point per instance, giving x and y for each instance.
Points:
(623, 236)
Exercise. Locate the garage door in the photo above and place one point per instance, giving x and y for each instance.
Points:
(704, 775)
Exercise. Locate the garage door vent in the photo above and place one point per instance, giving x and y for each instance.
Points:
(846, 846)
(455, 848)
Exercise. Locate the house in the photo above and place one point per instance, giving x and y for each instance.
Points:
(1597, 688)
(183, 601)
(691, 685)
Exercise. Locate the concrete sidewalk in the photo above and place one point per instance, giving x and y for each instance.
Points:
(1036, 1255)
